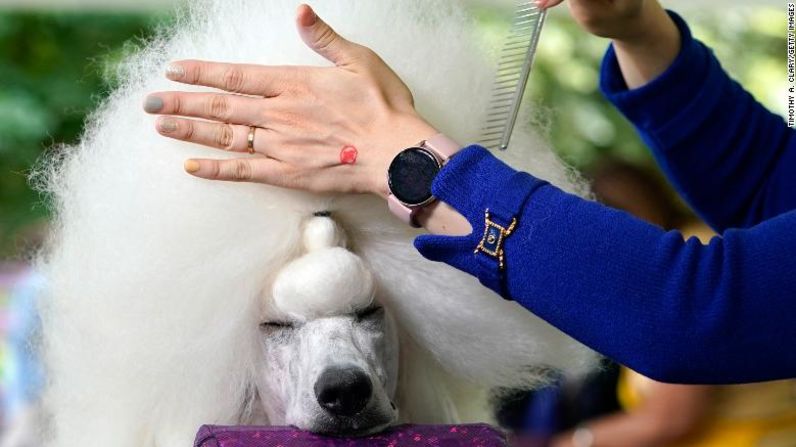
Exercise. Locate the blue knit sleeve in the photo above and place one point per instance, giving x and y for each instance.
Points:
(674, 310)
(731, 159)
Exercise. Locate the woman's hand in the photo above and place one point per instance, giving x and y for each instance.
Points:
(645, 38)
(614, 19)
(323, 129)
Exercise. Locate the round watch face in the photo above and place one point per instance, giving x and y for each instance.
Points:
(411, 174)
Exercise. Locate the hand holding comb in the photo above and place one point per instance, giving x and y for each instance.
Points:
(514, 69)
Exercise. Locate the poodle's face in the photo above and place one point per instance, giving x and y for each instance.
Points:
(334, 375)
(330, 350)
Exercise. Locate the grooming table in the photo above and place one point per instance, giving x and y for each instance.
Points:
(476, 435)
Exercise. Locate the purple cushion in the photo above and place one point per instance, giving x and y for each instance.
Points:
(479, 435)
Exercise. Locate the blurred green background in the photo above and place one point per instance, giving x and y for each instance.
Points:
(54, 69)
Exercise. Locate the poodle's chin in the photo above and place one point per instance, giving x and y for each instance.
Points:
(358, 426)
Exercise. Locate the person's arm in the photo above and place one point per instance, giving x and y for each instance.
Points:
(668, 415)
(673, 310)
(645, 39)
(731, 159)
(711, 138)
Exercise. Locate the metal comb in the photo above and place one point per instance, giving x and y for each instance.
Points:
(514, 68)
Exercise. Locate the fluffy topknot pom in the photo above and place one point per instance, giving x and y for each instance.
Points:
(322, 232)
(327, 280)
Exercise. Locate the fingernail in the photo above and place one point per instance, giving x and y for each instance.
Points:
(191, 166)
(167, 125)
(153, 104)
(309, 19)
(174, 71)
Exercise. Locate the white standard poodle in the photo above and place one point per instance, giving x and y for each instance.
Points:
(175, 302)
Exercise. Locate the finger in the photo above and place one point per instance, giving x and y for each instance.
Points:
(229, 137)
(212, 106)
(297, 155)
(545, 4)
(323, 39)
(237, 78)
(258, 170)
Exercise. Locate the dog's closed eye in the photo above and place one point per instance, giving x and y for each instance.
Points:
(282, 324)
(369, 313)
(276, 326)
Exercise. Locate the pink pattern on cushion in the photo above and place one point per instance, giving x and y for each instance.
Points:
(477, 435)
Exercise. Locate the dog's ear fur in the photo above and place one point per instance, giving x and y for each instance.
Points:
(430, 394)
(472, 332)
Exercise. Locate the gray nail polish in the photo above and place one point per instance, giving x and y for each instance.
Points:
(153, 104)
(167, 125)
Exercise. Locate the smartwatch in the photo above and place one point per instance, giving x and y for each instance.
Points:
(411, 174)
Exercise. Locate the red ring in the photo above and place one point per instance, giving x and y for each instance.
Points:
(348, 155)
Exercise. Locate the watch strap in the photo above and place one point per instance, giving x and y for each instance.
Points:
(443, 146)
(403, 212)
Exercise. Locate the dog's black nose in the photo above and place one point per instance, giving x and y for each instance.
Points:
(343, 391)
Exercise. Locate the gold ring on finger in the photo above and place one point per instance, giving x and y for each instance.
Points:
(250, 139)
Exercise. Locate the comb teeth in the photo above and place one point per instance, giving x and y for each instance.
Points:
(514, 68)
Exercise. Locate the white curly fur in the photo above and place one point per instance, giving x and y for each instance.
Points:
(156, 277)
